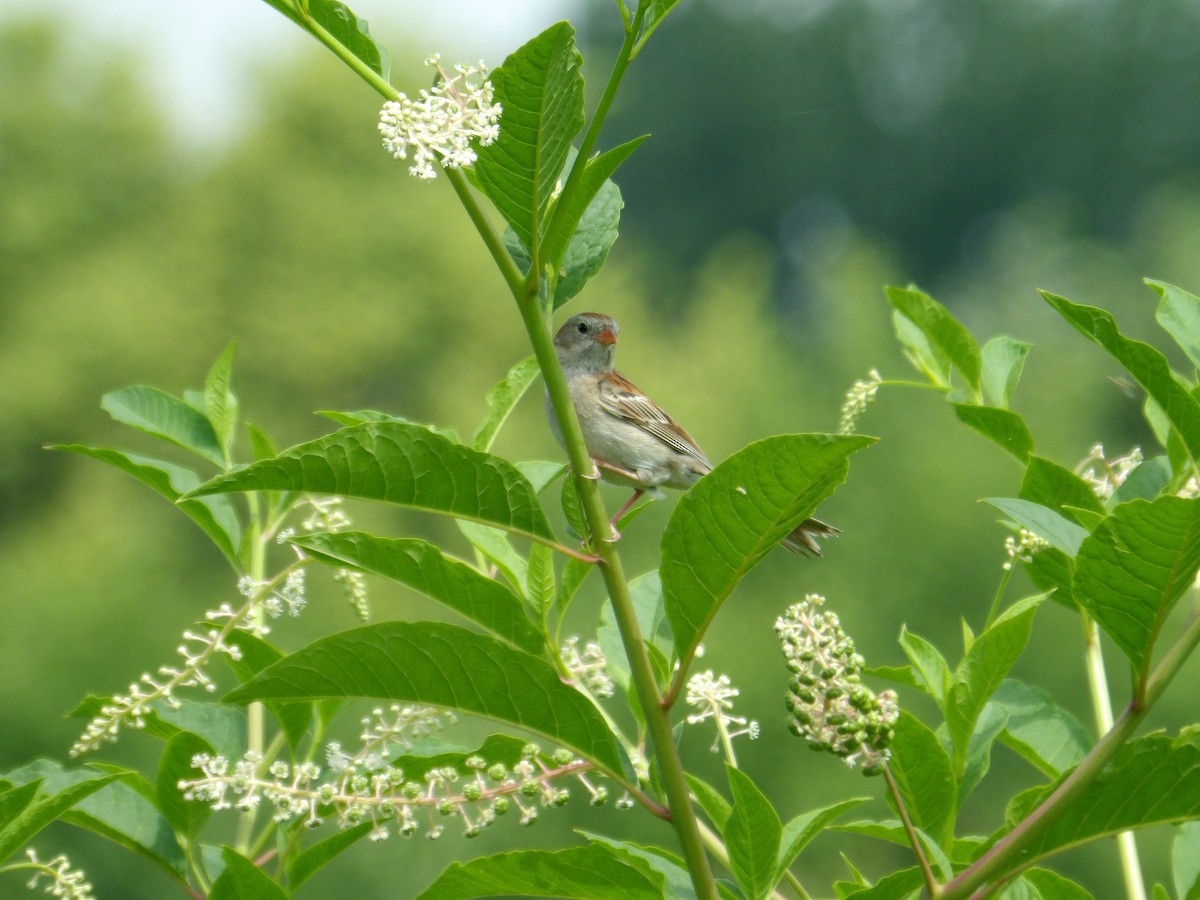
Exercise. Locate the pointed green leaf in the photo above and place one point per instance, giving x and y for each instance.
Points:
(1039, 729)
(541, 472)
(943, 331)
(165, 416)
(985, 665)
(1145, 482)
(403, 464)
(596, 871)
(1003, 359)
(729, 520)
(542, 588)
(501, 400)
(928, 664)
(925, 777)
(678, 884)
(902, 885)
(1179, 313)
(254, 655)
(716, 807)
(1057, 487)
(314, 857)
(27, 810)
(187, 816)
(243, 880)
(1042, 521)
(362, 416)
(496, 547)
(1043, 884)
(990, 724)
(1185, 861)
(1152, 780)
(646, 594)
(1001, 426)
(349, 30)
(541, 90)
(656, 12)
(1133, 568)
(220, 405)
(424, 568)
(925, 357)
(752, 836)
(440, 665)
(799, 832)
(1147, 365)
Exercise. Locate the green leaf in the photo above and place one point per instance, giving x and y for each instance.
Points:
(990, 724)
(25, 810)
(1057, 487)
(541, 472)
(926, 358)
(1043, 884)
(982, 669)
(542, 589)
(541, 89)
(215, 515)
(349, 30)
(186, 816)
(1185, 861)
(1001, 426)
(220, 405)
(424, 568)
(1152, 780)
(645, 592)
(925, 778)
(1039, 729)
(1179, 314)
(928, 664)
(715, 806)
(167, 417)
(440, 665)
(574, 574)
(1060, 531)
(902, 885)
(656, 12)
(1133, 568)
(799, 832)
(752, 836)
(572, 507)
(1147, 365)
(597, 871)
(314, 858)
(1003, 360)
(1145, 482)
(119, 807)
(901, 675)
(942, 330)
(495, 546)
(403, 464)
(243, 880)
(363, 416)
(501, 400)
(678, 884)
(730, 519)
(221, 726)
(255, 655)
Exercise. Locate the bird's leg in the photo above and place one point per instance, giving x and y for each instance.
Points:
(616, 470)
(637, 495)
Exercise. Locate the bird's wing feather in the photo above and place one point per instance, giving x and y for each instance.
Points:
(621, 398)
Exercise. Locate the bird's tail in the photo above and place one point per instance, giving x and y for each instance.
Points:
(803, 540)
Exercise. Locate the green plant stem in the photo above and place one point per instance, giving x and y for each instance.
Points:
(1000, 589)
(1009, 852)
(931, 882)
(255, 712)
(1127, 851)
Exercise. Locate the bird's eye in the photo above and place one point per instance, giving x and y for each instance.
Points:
(582, 326)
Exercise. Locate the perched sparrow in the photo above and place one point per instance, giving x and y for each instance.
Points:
(631, 441)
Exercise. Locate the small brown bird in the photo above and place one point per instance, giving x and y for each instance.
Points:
(629, 438)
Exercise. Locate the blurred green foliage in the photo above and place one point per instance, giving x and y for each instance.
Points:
(749, 297)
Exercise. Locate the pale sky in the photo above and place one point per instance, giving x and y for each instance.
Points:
(197, 47)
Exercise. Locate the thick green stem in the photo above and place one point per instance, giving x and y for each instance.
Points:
(255, 712)
(1007, 853)
(1127, 851)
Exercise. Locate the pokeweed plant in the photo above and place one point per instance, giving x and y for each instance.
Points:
(1118, 541)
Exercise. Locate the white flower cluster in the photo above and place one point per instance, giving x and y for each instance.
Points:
(366, 788)
(713, 697)
(1104, 475)
(197, 651)
(440, 124)
(1022, 547)
(589, 668)
(64, 881)
(327, 516)
(829, 705)
(858, 398)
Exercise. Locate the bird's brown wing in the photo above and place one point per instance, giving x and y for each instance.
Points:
(621, 398)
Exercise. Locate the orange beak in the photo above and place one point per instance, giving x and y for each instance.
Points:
(606, 337)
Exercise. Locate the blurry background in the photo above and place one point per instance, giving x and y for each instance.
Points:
(175, 175)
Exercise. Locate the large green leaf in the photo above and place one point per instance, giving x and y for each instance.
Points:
(1047, 524)
(925, 777)
(738, 513)
(254, 655)
(1002, 426)
(501, 400)
(800, 831)
(1133, 568)
(243, 880)
(541, 90)
(187, 816)
(1179, 313)
(1185, 861)
(752, 836)
(316, 856)
(399, 463)
(984, 666)
(165, 416)
(349, 30)
(25, 810)
(1039, 729)
(424, 567)
(942, 330)
(440, 665)
(1151, 781)
(932, 672)
(1003, 360)
(1146, 364)
(596, 871)
(1057, 487)
(215, 515)
(1043, 884)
